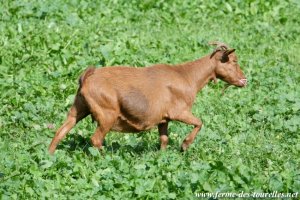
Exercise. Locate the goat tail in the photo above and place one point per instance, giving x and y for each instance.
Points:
(88, 72)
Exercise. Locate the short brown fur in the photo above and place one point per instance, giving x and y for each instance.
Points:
(129, 99)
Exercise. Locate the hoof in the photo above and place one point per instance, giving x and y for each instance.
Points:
(183, 147)
(163, 148)
(51, 150)
(96, 143)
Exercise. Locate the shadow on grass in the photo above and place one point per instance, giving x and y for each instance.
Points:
(80, 143)
(138, 148)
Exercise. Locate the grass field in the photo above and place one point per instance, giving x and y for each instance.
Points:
(250, 141)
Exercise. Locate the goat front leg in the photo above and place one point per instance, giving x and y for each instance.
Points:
(188, 118)
(163, 134)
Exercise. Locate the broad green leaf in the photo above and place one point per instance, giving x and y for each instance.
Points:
(93, 151)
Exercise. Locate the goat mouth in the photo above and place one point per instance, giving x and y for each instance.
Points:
(243, 82)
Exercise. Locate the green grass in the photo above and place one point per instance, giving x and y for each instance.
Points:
(250, 140)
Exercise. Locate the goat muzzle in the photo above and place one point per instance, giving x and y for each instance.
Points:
(243, 82)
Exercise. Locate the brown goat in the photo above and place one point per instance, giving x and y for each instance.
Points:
(132, 99)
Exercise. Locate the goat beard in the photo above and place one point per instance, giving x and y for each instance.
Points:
(225, 87)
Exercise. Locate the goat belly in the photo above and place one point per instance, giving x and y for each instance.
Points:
(125, 125)
(134, 114)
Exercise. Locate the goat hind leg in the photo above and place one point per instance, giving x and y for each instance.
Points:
(62, 132)
(77, 112)
(99, 135)
(104, 125)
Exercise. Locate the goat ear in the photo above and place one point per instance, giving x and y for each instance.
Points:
(225, 57)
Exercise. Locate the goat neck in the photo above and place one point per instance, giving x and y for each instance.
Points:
(199, 72)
